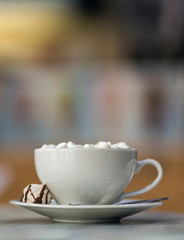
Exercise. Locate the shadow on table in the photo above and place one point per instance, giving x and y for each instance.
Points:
(123, 221)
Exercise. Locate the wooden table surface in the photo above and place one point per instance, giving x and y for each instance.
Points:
(18, 224)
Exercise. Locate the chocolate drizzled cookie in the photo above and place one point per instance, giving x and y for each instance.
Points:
(36, 193)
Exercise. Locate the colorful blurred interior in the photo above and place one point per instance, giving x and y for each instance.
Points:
(91, 70)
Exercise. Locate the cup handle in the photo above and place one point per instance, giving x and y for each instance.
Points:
(138, 167)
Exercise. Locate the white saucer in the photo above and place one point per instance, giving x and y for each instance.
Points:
(86, 213)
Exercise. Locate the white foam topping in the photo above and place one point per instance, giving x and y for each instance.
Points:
(101, 144)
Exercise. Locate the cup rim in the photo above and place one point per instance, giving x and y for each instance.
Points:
(86, 149)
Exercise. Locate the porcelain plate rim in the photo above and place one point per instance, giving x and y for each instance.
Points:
(53, 204)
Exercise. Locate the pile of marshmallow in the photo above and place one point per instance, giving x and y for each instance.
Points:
(101, 144)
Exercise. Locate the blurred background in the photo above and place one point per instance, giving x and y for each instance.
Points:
(91, 70)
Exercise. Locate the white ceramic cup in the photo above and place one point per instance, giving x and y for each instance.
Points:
(90, 176)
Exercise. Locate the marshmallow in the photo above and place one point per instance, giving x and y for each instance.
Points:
(71, 145)
(36, 193)
(102, 145)
(109, 143)
(120, 145)
(89, 145)
(48, 146)
(62, 145)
